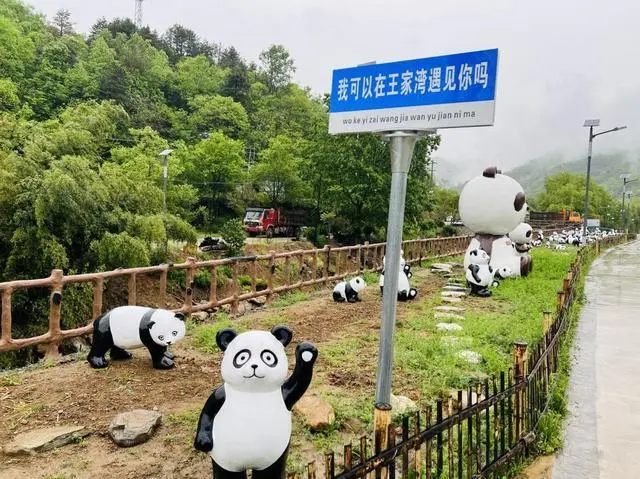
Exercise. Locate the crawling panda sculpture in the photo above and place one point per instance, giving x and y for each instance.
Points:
(479, 273)
(348, 290)
(132, 327)
(492, 205)
(405, 291)
(246, 423)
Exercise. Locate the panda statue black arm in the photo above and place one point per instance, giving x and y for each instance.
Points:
(204, 441)
(296, 385)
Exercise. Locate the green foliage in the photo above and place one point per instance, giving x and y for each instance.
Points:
(290, 298)
(120, 251)
(277, 66)
(234, 234)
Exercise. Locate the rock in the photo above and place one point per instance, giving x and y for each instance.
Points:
(470, 356)
(402, 405)
(456, 288)
(449, 309)
(449, 299)
(457, 265)
(453, 394)
(134, 427)
(40, 440)
(317, 413)
(453, 294)
(200, 316)
(449, 327)
(79, 344)
(448, 316)
(258, 302)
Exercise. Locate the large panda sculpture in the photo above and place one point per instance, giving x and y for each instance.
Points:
(492, 205)
(246, 423)
(405, 291)
(348, 290)
(132, 327)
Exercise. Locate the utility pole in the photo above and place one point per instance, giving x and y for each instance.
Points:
(625, 182)
(164, 154)
(138, 15)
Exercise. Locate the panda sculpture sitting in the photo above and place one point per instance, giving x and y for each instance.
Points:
(246, 423)
(131, 327)
(522, 236)
(479, 273)
(348, 290)
(492, 205)
(405, 291)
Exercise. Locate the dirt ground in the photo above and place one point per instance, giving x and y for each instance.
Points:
(75, 394)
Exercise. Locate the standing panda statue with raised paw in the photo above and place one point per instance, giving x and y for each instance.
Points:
(246, 423)
(348, 290)
(132, 327)
(405, 291)
(492, 205)
(479, 274)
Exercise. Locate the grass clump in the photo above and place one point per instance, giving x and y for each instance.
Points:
(290, 298)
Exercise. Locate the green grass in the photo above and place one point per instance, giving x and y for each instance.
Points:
(290, 298)
(204, 335)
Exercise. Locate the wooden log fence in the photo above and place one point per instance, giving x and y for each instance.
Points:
(337, 264)
(499, 421)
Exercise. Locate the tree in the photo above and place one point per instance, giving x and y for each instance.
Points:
(183, 42)
(217, 113)
(279, 172)
(62, 23)
(277, 67)
(198, 76)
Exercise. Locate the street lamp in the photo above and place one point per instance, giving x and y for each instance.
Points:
(164, 154)
(625, 182)
(591, 124)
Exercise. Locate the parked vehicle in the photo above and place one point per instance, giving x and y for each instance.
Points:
(563, 216)
(276, 222)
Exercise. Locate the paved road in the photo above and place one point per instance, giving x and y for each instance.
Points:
(602, 437)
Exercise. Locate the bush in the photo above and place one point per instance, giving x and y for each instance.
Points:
(234, 234)
(180, 230)
(120, 251)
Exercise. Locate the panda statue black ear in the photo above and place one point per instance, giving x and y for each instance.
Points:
(180, 316)
(224, 337)
(282, 334)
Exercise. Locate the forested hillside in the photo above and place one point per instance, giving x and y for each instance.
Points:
(83, 119)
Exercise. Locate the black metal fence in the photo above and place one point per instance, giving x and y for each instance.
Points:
(476, 435)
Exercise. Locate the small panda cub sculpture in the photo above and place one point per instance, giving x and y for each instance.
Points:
(348, 290)
(246, 423)
(405, 291)
(479, 274)
(132, 327)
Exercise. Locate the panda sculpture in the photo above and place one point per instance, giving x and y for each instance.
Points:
(500, 274)
(479, 273)
(246, 423)
(348, 290)
(405, 291)
(492, 205)
(522, 236)
(132, 327)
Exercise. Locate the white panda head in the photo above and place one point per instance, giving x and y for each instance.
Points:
(166, 327)
(254, 361)
(492, 203)
(522, 234)
(479, 256)
(503, 272)
(357, 284)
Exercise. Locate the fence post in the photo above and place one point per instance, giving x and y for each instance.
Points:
(520, 373)
(132, 290)
(55, 306)
(382, 419)
(189, 283)
(6, 316)
(272, 270)
(560, 300)
(98, 287)
(162, 295)
(234, 275)
(325, 273)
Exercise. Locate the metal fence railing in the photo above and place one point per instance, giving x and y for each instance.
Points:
(269, 274)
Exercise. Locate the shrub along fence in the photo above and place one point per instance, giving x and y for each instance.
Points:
(499, 419)
(298, 269)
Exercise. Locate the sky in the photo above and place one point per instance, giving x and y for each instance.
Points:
(560, 61)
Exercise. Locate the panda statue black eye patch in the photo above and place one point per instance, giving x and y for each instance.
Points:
(241, 358)
(269, 358)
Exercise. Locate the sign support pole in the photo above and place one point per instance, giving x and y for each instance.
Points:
(402, 146)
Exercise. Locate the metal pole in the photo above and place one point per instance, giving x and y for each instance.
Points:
(402, 145)
(624, 213)
(586, 195)
(164, 182)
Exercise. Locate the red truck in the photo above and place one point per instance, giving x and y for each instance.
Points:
(275, 222)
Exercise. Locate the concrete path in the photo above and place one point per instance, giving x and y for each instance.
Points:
(602, 436)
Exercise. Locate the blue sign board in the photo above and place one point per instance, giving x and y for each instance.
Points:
(439, 92)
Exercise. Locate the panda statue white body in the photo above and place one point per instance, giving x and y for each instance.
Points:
(132, 327)
(246, 423)
(522, 237)
(348, 290)
(479, 273)
(405, 291)
(492, 205)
